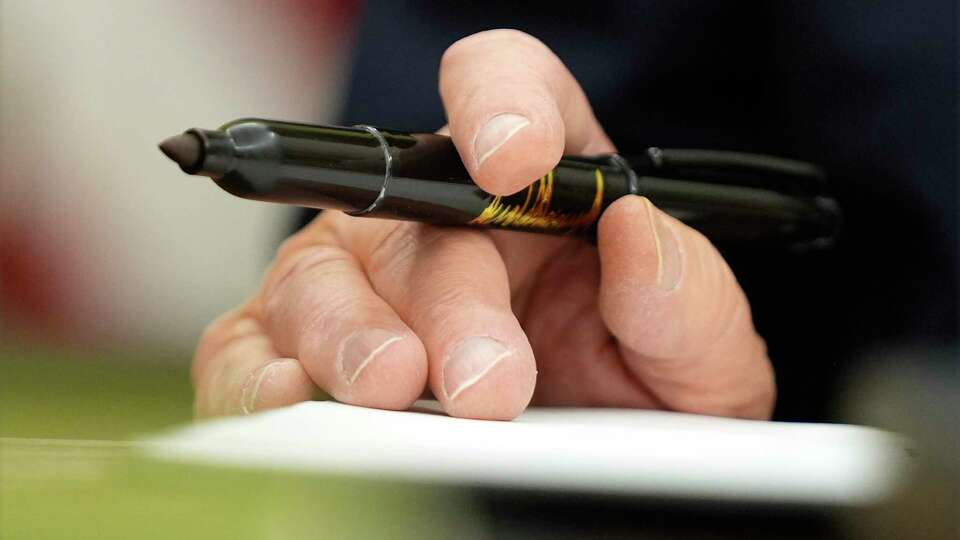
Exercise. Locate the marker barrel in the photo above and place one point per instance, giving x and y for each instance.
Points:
(382, 173)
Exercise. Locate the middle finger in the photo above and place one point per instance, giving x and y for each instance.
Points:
(451, 287)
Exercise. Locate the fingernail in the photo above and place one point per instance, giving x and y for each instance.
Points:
(251, 390)
(469, 362)
(495, 133)
(668, 250)
(362, 348)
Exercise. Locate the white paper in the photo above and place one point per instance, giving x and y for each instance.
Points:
(615, 451)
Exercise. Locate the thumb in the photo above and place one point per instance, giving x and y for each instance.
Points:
(514, 109)
(681, 319)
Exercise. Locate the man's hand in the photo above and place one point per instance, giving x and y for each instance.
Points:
(374, 312)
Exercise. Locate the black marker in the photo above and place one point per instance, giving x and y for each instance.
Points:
(734, 198)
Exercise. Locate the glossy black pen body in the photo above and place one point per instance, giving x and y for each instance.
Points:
(368, 171)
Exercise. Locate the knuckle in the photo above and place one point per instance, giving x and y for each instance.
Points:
(307, 264)
(320, 311)
(456, 283)
(301, 292)
(450, 295)
(395, 246)
(317, 259)
(302, 296)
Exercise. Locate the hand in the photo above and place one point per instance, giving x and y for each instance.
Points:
(374, 312)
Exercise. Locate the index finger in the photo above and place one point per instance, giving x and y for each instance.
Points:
(514, 109)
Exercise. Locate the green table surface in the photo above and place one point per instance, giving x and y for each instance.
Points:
(70, 467)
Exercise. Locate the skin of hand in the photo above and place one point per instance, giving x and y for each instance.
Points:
(377, 312)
